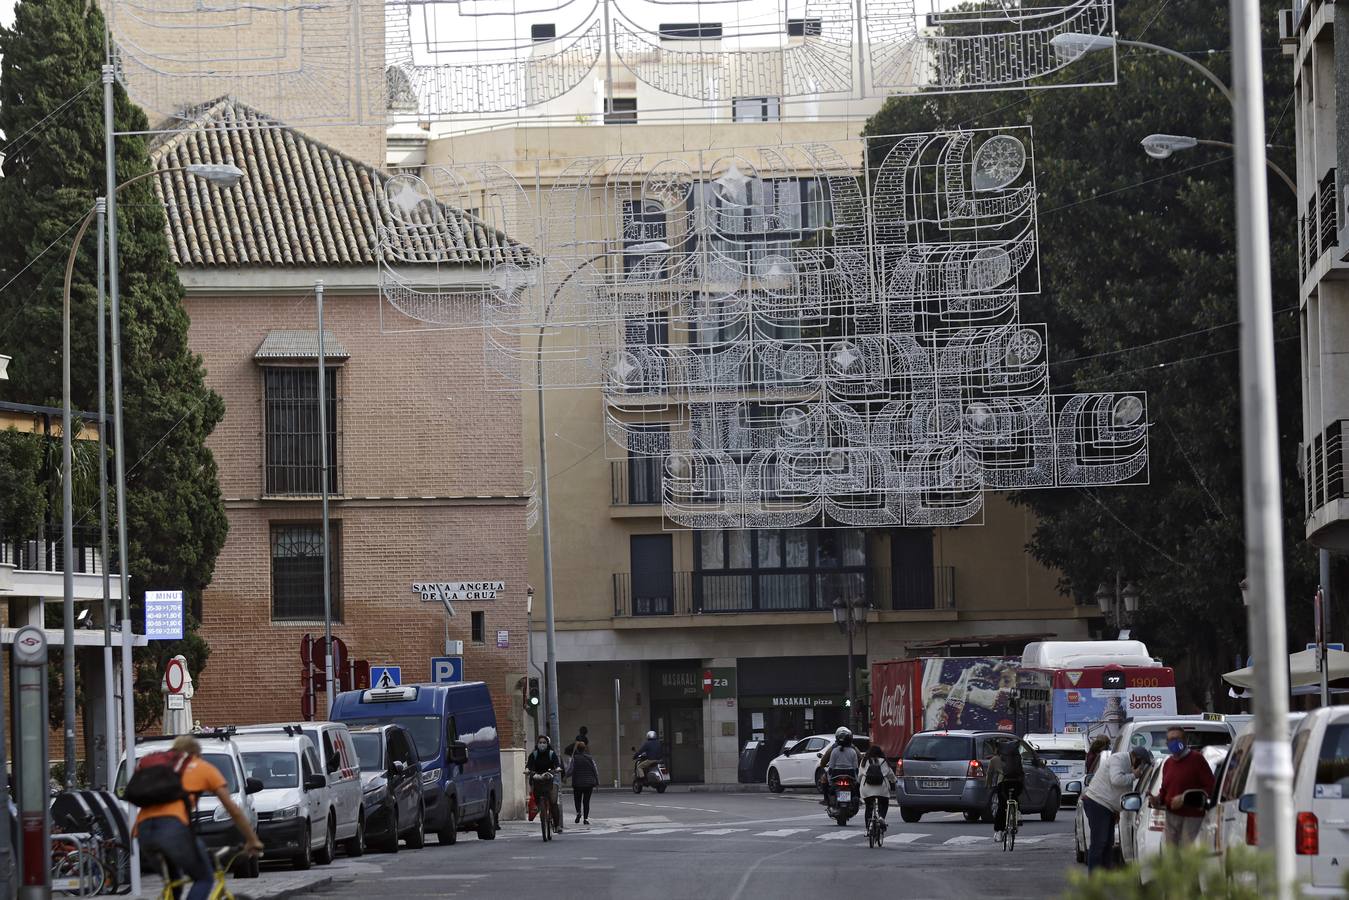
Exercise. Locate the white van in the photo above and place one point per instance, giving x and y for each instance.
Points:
(293, 806)
(1321, 801)
(340, 765)
(1066, 756)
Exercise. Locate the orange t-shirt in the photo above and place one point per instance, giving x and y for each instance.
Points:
(199, 777)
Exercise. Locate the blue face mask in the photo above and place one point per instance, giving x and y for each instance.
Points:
(1176, 746)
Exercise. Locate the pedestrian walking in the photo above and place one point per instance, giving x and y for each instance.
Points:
(1099, 744)
(582, 737)
(585, 777)
(1184, 772)
(1101, 802)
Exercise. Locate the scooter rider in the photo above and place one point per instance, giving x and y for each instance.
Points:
(649, 754)
(840, 759)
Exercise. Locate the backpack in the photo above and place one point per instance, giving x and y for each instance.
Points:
(158, 779)
(875, 774)
(1011, 763)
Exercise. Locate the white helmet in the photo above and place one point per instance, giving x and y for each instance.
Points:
(651, 735)
(841, 734)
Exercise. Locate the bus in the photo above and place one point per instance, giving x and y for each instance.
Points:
(1090, 687)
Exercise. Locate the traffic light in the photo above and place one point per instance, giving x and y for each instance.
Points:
(532, 699)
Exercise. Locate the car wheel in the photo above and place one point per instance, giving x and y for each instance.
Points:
(390, 843)
(973, 816)
(775, 781)
(1051, 810)
(1081, 857)
(450, 833)
(355, 845)
(487, 825)
(909, 815)
(417, 835)
(328, 853)
(304, 857)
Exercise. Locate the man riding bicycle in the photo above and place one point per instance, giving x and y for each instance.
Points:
(545, 761)
(1006, 779)
(165, 829)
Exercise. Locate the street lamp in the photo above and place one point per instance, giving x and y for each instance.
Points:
(220, 175)
(850, 616)
(4, 366)
(1259, 420)
(1119, 604)
(1161, 146)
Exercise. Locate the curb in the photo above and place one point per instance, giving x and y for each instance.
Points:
(286, 893)
(694, 789)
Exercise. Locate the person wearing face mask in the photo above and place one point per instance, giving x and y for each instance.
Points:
(545, 761)
(1185, 770)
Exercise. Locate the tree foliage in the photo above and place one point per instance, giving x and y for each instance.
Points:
(51, 113)
(1138, 269)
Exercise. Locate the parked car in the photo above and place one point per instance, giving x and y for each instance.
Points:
(294, 806)
(798, 765)
(454, 729)
(1225, 824)
(1142, 828)
(210, 821)
(1066, 756)
(342, 771)
(946, 771)
(392, 781)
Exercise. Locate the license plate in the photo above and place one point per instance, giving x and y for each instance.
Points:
(844, 797)
(934, 783)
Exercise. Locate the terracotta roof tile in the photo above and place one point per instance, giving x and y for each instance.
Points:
(301, 203)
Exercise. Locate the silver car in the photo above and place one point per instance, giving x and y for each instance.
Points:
(946, 771)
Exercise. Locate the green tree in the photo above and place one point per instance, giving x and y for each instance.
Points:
(1139, 292)
(51, 116)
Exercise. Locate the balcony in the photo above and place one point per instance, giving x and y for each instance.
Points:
(34, 565)
(636, 482)
(1323, 474)
(768, 591)
(1319, 225)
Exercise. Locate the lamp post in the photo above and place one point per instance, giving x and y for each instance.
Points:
(1161, 146)
(850, 616)
(1273, 766)
(1119, 604)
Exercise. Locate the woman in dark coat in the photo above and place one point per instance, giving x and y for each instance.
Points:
(585, 777)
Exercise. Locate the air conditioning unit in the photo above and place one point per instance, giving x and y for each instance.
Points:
(1287, 28)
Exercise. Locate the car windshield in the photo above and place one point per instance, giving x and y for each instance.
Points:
(1332, 766)
(1195, 739)
(938, 748)
(274, 768)
(369, 750)
(225, 763)
(1063, 754)
(425, 732)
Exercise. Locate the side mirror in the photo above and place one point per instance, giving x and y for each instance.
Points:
(252, 785)
(1247, 803)
(398, 767)
(315, 782)
(459, 753)
(1074, 787)
(819, 756)
(1131, 802)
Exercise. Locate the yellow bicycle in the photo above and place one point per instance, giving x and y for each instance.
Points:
(223, 859)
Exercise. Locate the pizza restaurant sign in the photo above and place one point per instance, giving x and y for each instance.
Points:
(806, 700)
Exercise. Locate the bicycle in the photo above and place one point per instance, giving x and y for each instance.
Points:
(224, 860)
(1012, 823)
(76, 869)
(541, 784)
(875, 831)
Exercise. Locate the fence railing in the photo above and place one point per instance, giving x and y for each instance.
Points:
(636, 482)
(1319, 225)
(1323, 472)
(45, 550)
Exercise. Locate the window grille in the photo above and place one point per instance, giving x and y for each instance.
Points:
(297, 571)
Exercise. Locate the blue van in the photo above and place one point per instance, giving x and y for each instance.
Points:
(455, 729)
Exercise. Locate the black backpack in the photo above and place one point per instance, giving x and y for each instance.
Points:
(1011, 763)
(158, 779)
(875, 773)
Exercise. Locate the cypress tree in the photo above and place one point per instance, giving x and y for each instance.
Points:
(51, 113)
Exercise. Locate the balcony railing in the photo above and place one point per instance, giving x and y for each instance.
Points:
(636, 482)
(1323, 475)
(1319, 227)
(713, 592)
(45, 550)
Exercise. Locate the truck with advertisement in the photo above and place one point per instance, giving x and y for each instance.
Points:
(1057, 687)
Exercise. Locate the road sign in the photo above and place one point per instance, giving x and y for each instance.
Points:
(447, 669)
(1336, 645)
(174, 676)
(384, 677)
(164, 615)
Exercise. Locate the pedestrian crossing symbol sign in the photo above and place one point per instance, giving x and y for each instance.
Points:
(382, 678)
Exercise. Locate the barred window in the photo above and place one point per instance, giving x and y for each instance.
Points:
(297, 571)
(292, 429)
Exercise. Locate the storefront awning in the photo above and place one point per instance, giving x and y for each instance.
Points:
(291, 344)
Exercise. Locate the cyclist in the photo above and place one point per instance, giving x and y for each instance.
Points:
(878, 781)
(840, 759)
(545, 761)
(1006, 779)
(165, 828)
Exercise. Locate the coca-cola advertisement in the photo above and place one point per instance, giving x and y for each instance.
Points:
(912, 695)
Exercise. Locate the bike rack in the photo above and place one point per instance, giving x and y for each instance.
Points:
(78, 884)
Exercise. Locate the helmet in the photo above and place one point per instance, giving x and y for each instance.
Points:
(843, 735)
(651, 735)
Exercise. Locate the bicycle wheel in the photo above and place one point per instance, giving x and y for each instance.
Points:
(546, 818)
(1013, 818)
(82, 871)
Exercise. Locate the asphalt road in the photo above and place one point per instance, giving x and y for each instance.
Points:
(724, 847)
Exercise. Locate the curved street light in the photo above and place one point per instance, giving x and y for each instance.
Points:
(1161, 146)
(1072, 45)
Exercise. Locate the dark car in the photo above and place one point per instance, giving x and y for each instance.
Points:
(391, 783)
(946, 771)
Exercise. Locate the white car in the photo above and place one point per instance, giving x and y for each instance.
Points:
(1066, 756)
(1320, 801)
(1142, 829)
(342, 769)
(293, 805)
(796, 765)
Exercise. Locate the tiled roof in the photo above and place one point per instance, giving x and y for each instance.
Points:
(300, 203)
(300, 345)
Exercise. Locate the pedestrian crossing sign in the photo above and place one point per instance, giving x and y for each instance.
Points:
(385, 677)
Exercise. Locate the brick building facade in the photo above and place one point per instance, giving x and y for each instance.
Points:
(425, 454)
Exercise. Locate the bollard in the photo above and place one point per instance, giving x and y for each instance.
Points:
(30, 761)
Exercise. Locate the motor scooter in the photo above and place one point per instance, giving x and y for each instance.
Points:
(656, 777)
(844, 800)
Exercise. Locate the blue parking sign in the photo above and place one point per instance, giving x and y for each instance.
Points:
(447, 669)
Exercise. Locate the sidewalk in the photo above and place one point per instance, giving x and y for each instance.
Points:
(277, 883)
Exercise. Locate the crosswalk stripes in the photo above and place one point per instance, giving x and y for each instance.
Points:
(904, 837)
(720, 831)
(781, 832)
(838, 835)
(646, 831)
(968, 839)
